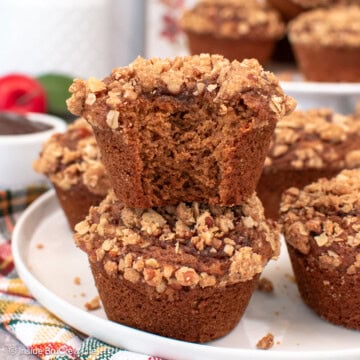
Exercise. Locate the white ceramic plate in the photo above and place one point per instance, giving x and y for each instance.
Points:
(341, 97)
(49, 270)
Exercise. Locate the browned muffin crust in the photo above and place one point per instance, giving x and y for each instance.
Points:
(186, 129)
(233, 19)
(322, 229)
(73, 158)
(306, 146)
(196, 315)
(76, 202)
(188, 245)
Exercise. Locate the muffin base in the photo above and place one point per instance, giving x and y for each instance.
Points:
(338, 301)
(195, 315)
(273, 183)
(328, 64)
(233, 49)
(76, 202)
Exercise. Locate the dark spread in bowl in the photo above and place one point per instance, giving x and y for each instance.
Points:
(15, 124)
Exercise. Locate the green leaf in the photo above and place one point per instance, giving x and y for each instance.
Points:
(57, 91)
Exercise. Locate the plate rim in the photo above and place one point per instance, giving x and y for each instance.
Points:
(321, 88)
(63, 309)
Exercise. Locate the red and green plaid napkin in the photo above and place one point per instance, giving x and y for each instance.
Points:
(42, 333)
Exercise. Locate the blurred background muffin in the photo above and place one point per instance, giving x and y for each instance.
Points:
(326, 43)
(72, 163)
(237, 29)
(307, 145)
(289, 9)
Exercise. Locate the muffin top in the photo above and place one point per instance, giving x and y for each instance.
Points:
(188, 245)
(323, 220)
(73, 158)
(336, 26)
(309, 4)
(234, 19)
(315, 139)
(211, 79)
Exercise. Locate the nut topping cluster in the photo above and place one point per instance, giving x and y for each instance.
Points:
(316, 138)
(323, 219)
(187, 245)
(210, 76)
(66, 156)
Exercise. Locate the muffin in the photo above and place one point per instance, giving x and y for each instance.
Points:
(185, 271)
(289, 9)
(183, 130)
(326, 43)
(71, 161)
(322, 231)
(237, 29)
(307, 145)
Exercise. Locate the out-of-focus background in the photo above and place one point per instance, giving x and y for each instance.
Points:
(79, 38)
(55, 41)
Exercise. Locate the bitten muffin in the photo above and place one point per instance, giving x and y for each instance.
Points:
(185, 271)
(237, 29)
(72, 163)
(307, 145)
(322, 229)
(182, 130)
(326, 43)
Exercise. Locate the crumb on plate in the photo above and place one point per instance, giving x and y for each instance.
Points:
(291, 277)
(265, 285)
(266, 342)
(93, 304)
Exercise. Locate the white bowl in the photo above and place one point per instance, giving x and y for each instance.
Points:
(17, 153)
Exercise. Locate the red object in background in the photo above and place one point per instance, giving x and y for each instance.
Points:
(20, 93)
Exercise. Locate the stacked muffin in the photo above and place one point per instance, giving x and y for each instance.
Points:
(71, 161)
(178, 245)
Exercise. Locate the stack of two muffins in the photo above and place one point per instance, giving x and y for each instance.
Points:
(178, 245)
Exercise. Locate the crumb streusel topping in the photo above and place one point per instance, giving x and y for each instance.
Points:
(337, 26)
(72, 157)
(316, 138)
(186, 245)
(323, 219)
(234, 19)
(212, 77)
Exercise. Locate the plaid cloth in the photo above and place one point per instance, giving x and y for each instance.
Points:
(44, 335)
